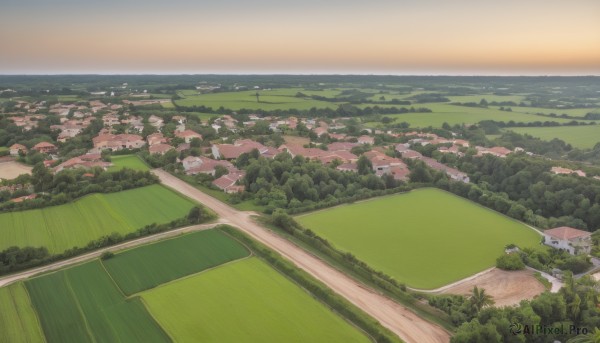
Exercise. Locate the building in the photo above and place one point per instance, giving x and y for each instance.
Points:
(227, 183)
(366, 140)
(160, 148)
(117, 142)
(156, 138)
(200, 164)
(15, 149)
(567, 171)
(44, 147)
(188, 135)
(233, 151)
(567, 238)
(87, 161)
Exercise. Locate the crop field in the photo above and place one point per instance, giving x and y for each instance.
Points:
(584, 137)
(82, 304)
(452, 114)
(269, 100)
(127, 161)
(18, 321)
(146, 267)
(426, 238)
(245, 301)
(75, 224)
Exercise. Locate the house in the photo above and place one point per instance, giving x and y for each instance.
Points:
(228, 182)
(44, 147)
(567, 171)
(366, 140)
(117, 142)
(410, 154)
(320, 131)
(200, 164)
(15, 149)
(156, 121)
(567, 238)
(497, 151)
(351, 167)
(233, 151)
(160, 148)
(453, 173)
(86, 161)
(341, 146)
(156, 138)
(188, 135)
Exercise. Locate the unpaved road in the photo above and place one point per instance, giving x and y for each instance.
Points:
(95, 254)
(400, 320)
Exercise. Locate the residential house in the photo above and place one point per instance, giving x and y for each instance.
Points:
(497, 151)
(188, 135)
(233, 151)
(117, 142)
(453, 173)
(228, 182)
(567, 171)
(45, 147)
(156, 138)
(201, 164)
(86, 161)
(366, 140)
(15, 149)
(567, 238)
(160, 148)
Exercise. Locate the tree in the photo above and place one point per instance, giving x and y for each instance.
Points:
(593, 337)
(257, 97)
(479, 299)
(364, 165)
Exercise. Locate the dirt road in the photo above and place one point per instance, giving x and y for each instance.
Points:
(400, 320)
(95, 254)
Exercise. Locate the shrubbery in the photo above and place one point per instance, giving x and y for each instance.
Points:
(510, 262)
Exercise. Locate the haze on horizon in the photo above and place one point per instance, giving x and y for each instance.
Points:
(536, 37)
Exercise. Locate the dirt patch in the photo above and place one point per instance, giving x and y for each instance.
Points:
(295, 140)
(10, 170)
(507, 288)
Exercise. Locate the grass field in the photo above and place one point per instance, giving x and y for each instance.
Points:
(245, 301)
(146, 267)
(77, 223)
(578, 136)
(18, 321)
(426, 238)
(575, 112)
(452, 114)
(269, 100)
(82, 304)
(127, 161)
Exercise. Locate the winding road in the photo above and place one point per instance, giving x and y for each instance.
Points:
(397, 318)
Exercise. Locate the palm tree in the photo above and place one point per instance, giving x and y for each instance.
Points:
(479, 299)
(593, 337)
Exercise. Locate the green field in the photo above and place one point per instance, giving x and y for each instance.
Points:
(18, 321)
(578, 136)
(127, 161)
(426, 238)
(245, 301)
(574, 112)
(488, 97)
(82, 304)
(75, 224)
(283, 99)
(146, 267)
(452, 114)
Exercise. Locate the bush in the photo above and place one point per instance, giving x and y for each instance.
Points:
(107, 255)
(510, 262)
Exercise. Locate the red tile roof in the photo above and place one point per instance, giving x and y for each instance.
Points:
(566, 233)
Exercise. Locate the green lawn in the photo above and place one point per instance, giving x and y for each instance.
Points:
(77, 223)
(579, 136)
(146, 267)
(3, 148)
(18, 321)
(82, 304)
(426, 238)
(245, 301)
(127, 161)
(452, 114)
(269, 100)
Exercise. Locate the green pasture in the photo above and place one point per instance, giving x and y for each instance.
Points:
(75, 224)
(146, 267)
(245, 301)
(426, 238)
(127, 161)
(82, 304)
(583, 137)
(18, 321)
(574, 112)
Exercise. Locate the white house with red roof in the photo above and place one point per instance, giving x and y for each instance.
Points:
(574, 241)
(16, 148)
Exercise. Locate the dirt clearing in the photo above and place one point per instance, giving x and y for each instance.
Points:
(507, 288)
(12, 169)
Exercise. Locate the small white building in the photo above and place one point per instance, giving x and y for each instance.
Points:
(574, 241)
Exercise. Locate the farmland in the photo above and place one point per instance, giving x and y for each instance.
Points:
(82, 304)
(268, 308)
(578, 136)
(127, 161)
(445, 237)
(75, 224)
(146, 267)
(18, 321)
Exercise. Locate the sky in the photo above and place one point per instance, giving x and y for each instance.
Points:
(426, 37)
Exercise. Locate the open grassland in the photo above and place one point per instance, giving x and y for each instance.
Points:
(269, 100)
(245, 301)
(75, 224)
(584, 137)
(453, 114)
(127, 161)
(82, 304)
(488, 97)
(146, 267)
(18, 321)
(426, 238)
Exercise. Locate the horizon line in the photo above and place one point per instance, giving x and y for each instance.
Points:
(302, 74)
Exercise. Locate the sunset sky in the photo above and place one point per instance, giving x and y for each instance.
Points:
(513, 37)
